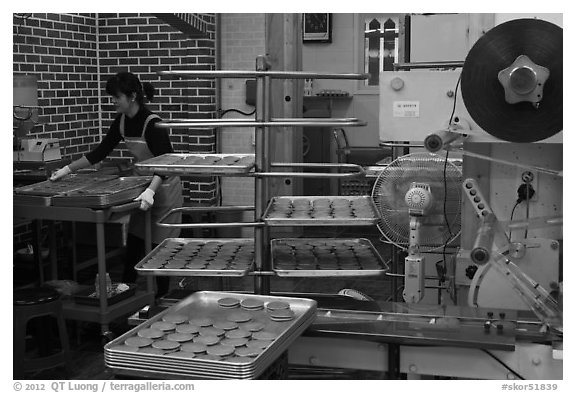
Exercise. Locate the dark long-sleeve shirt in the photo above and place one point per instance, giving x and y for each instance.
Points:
(157, 138)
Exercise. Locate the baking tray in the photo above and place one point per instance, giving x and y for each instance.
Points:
(342, 210)
(199, 257)
(204, 304)
(166, 365)
(105, 193)
(163, 367)
(317, 257)
(222, 368)
(176, 164)
(66, 184)
(40, 194)
(32, 200)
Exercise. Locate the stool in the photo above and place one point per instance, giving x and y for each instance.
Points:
(31, 303)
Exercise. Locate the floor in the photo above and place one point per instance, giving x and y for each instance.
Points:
(87, 343)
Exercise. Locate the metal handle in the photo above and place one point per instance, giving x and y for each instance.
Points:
(215, 209)
(314, 119)
(255, 74)
(328, 122)
(160, 222)
(402, 275)
(261, 273)
(400, 144)
(359, 171)
(425, 64)
(126, 207)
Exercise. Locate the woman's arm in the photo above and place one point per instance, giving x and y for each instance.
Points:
(108, 143)
(155, 183)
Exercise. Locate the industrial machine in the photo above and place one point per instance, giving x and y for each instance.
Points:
(37, 150)
(25, 117)
(501, 113)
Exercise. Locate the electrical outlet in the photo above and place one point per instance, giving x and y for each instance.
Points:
(531, 177)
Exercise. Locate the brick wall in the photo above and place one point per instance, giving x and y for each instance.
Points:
(144, 44)
(63, 51)
(60, 50)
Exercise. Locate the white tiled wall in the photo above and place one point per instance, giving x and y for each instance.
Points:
(242, 41)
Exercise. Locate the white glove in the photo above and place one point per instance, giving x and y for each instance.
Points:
(146, 199)
(60, 173)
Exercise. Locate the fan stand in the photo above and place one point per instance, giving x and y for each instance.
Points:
(414, 265)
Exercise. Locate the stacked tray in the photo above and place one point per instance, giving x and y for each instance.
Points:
(105, 193)
(177, 164)
(199, 257)
(321, 211)
(40, 194)
(326, 258)
(213, 335)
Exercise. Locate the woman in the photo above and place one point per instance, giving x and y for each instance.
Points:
(136, 125)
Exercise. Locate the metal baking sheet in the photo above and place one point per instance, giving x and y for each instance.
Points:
(205, 304)
(162, 366)
(66, 184)
(194, 258)
(172, 366)
(317, 257)
(40, 194)
(342, 211)
(105, 193)
(33, 200)
(177, 164)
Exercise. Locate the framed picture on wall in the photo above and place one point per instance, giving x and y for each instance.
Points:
(317, 27)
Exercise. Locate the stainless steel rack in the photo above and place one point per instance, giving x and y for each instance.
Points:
(263, 169)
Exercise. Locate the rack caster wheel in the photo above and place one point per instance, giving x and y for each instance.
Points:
(107, 337)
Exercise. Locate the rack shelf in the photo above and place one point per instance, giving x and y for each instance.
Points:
(263, 168)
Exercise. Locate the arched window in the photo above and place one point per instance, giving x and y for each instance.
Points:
(380, 45)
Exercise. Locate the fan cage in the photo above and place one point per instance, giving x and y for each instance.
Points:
(390, 189)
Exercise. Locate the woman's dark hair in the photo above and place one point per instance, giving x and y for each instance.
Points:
(128, 83)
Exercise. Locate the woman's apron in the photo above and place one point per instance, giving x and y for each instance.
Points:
(167, 197)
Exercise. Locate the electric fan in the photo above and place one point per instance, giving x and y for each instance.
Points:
(418, 200)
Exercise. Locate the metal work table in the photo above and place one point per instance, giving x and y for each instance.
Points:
(104, 313)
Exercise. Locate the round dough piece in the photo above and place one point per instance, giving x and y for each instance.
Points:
(165, 344)
(163, 326)
(238, 333)
(252, 304)
(193, 347)
(228, 302)
(220, 350)
(239, 317)
(180, 337)
(175, 318)
(207, 340)
(138, 342)
(186, 328)
(201, 321)
(150, 333)
(125, 348)
(277, 305)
